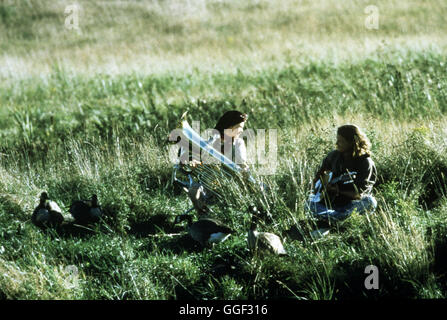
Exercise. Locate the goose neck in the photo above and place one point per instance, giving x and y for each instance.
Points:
(253, 226)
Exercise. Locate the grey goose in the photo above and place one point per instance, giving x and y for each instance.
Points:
(263, 241)
(205, 230)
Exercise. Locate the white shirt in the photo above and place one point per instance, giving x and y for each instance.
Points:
(239, 151)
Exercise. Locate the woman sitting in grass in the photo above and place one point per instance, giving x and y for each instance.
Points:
(352, 158)
(228, 130)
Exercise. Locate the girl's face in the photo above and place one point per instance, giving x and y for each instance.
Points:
(342, 144)
(235, 131)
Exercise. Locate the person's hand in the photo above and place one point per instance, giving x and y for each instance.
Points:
(194, 163)
(323, 176)
(187, 167)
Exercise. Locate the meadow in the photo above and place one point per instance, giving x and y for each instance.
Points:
(89, 111)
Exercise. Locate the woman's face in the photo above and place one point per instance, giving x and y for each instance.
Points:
(235, 131)
(342, 144)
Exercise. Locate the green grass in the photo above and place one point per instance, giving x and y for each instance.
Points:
(78, 132)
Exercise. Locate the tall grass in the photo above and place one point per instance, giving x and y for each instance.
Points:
(130, 171)
(97, 129)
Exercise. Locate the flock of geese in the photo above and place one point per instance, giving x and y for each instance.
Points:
(206, 231)
(209, 231)
(49, 215)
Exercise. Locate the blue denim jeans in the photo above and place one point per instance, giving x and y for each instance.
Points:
(320, 211)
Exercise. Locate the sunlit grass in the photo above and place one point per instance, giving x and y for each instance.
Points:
(90, 112)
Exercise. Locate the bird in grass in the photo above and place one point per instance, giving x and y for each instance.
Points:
(263, 241)
(47, 213)
(86, 211)
(205, 230)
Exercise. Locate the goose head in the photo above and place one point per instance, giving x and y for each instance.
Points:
(43, 198)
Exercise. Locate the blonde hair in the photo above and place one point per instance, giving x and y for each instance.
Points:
(360, 142)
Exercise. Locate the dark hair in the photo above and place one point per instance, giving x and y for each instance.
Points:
(360, 143)
(230, 119)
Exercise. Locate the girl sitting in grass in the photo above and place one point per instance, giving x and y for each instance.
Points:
(228, 130)
(352, 154)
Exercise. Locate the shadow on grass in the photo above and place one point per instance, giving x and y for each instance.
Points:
(72, 229)
(439, 266)
(69, 230)
(177, 243)
(302, 230)
(223, 266)
(157, 224)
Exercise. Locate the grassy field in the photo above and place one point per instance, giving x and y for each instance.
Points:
(89, 111)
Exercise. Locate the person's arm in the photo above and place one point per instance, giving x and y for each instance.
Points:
(351, 194)
(365, 177)
(240, 155)
(325, 166)
(362, 183)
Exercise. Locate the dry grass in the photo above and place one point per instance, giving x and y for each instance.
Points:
(152, 37)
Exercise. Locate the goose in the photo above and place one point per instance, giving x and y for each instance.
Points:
(47, 213)
(205, 230)
(86, 211)
(263, 241)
